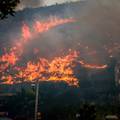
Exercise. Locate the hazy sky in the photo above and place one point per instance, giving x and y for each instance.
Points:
(49, 2)
(38, 3)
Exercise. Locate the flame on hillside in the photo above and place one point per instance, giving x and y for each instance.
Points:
(10, 58)
(58, 69)
(34, 71)
(92, 66)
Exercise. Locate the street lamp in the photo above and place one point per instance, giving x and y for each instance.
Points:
(36, 97)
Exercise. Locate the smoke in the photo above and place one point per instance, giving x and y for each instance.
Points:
(37, 3)
(50, 2)
(97, 28)
(94, 34)
(29, 4)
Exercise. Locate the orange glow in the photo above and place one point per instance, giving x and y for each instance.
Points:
(59, 69)
(92, 66)
(8, 59)
(11, 57)
(40, 27)
(3, 66)
(26, 32)
(7, 79)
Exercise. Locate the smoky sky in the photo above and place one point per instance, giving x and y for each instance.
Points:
(30, 4)
(97, 25)
(39, 3)
(49, 2)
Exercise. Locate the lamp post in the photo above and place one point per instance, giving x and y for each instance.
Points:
(36, 99)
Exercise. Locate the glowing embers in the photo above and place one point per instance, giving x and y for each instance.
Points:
(42, 26)
(58, 69)
(10, 58)
(52, 22)
(7, 79)
(61, 68)
(92, 66)
(26, 34)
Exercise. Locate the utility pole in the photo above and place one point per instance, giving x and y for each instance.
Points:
(36, 99)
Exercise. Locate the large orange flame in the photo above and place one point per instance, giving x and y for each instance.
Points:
(7, 79)
(58, 69)
(42, 26)
(11, 57)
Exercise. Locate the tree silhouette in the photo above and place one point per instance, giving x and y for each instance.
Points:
(87, 112)
(7, 7)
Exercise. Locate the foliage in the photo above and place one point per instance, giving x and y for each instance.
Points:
(87, 112)
(22, 104)
(7, 7)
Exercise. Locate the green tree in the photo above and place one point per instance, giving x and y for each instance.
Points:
(7, 7)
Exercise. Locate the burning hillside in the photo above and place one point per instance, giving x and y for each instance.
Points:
(57, 69)
(33, 71)
(78, 33)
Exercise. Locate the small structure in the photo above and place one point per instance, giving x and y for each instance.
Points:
(111, 117)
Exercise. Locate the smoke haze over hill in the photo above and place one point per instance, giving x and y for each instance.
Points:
(95, 33)
(38, 3)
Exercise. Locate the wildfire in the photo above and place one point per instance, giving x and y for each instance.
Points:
(26, 34)
(42, 26)
(8, 59)
(58, 69)
(11, 57)
(61, 69)
(92, 66)
(7, 79)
